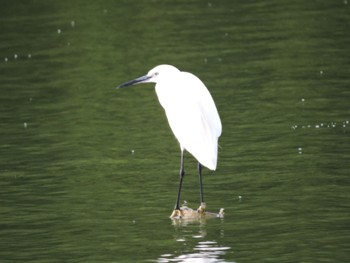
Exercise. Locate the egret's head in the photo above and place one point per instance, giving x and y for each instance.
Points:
(162, 72)
(155, 75)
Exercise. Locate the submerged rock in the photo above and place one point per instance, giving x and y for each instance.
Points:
(188, 213)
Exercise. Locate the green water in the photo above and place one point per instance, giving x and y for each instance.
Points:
(89, 173)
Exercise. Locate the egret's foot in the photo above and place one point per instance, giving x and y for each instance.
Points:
(201, 209)
(177, 213)
(221, 213)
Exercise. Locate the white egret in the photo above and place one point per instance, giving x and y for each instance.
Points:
(192, 116)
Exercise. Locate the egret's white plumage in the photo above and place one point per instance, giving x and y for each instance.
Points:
(191, 113)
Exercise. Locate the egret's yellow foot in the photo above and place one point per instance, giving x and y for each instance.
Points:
(221, 213)
(177, 213)
(201, 209)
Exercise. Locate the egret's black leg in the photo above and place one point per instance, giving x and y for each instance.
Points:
(182, 173)
(200, 182)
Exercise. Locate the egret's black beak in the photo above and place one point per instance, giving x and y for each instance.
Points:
(135, 81)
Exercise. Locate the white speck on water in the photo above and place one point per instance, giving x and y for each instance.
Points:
(25, 125)
(210, 4)
(29, 55)
(345, 2)
(6, 59)
(300, 150)
(72, 23)
(240, 198)
(132, 151)
(15, 56)
(59, 31)
(321, 72)
(205, 60)
(302, 100)
(321, 125)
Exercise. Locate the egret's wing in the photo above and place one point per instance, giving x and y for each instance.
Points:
(204, 101)
(194, 119)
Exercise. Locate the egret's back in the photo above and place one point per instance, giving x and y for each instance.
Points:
(192, 115)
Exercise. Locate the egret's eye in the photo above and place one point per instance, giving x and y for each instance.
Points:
(155, 74)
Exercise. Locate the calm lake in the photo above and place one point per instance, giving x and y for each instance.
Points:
(89, 173)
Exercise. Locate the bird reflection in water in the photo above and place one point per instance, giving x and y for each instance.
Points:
(195, 246)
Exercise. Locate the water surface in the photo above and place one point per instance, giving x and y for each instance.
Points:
(89, 173)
